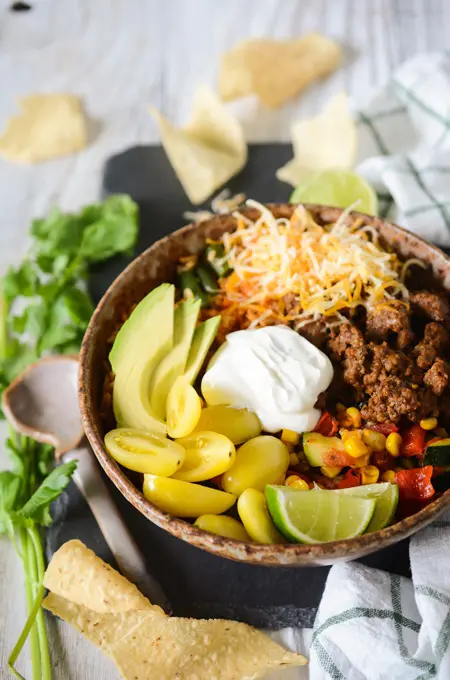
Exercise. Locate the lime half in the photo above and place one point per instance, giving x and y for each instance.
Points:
(386, 496)
(339, 188)
(318, 516)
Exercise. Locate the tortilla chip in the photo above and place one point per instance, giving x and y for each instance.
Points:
(208, 151)
(49, 126)
(276, 70)
(328, 140)
(143, 639)
(77, 574)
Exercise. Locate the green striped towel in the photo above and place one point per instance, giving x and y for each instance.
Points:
(404, 146)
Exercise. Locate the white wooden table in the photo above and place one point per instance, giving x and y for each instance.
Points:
(120, 55)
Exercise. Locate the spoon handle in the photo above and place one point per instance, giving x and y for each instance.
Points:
(129, 559)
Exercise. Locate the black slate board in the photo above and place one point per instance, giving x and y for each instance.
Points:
(199, 584)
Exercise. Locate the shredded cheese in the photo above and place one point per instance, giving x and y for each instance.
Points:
(321, 269)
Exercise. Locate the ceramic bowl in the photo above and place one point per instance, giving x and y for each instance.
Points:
(156, 265)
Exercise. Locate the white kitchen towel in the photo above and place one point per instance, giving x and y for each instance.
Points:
(404, 146)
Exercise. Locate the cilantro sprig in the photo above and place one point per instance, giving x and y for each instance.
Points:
(45, 308)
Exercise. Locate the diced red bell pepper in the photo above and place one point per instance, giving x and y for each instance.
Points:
(413, 441)
(351, 478)
(327, 425)
(336, 458)
(384, 428)
(382, 460)
(415, 484)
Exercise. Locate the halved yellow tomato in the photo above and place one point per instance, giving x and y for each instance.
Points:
(252, 509)
(183, 408)
(222, 525)
(260, 461)
(238, 424)
(208, 454)
(144, 451)
(183, 499)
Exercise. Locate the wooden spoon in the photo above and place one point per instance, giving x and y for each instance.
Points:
(42, 403)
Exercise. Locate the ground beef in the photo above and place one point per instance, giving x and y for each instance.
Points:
(316, 332)
(384, 321)
(435, 306)
(347, 345)
(394, 381)
(437, 376)
(390, 400)
(384, 362)
(435, 341)
(394, 399)
(345, 337)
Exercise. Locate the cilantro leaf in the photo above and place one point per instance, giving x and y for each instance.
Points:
(37, 507)
(115, 232)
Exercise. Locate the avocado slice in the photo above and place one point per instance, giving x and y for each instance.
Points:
(140, 345)
(201, 342)
(173, 365)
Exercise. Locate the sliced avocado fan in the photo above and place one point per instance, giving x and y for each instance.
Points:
(201, 342)
(173, 365)
(140, 345)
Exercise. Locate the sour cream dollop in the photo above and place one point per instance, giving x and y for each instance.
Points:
(272, 371)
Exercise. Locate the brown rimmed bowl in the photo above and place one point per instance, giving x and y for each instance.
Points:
(157, 265)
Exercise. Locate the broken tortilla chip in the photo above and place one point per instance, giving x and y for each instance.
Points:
(97, 585)
(276, 70)
(49, 126)
(143, 641)
(326, 141)
(208, 151)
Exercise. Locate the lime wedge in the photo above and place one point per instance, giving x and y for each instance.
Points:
(339, 188)
(318, 516)
(386, 496)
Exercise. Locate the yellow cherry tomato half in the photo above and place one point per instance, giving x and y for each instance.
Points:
(222, 525)
(260, 461)
(208, 454)
(183, 408)
(252, 509)
(183, 499)
(238, 424)
(144, 451)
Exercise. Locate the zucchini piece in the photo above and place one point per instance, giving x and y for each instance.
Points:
(315, 446)
(215, 256)
(189, 281)
(207, 278)
(437, 453)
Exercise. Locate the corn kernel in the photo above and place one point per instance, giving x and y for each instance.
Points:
(407, 463)
(344, 419)
(362, 461)
(393, 444)
(355, 446)
(296, 482)
(429, 423)
(388, 476)
(369, 474)
(294, 459)
(290, 437)
(340, 407)
(374, 440)
(355, 416)
(345, 433)
(330, 471)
